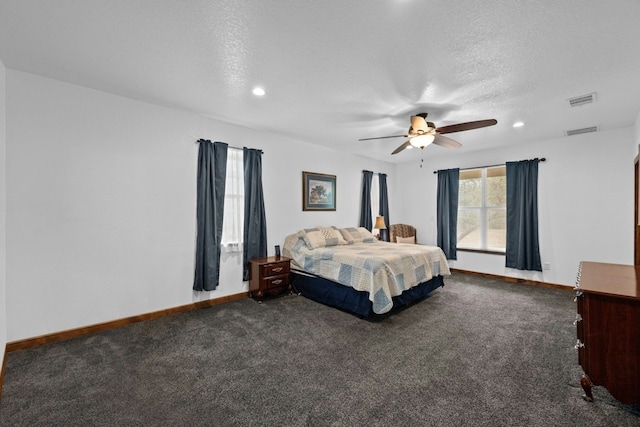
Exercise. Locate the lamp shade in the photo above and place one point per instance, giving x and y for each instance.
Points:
(380, 225)
(422, 141)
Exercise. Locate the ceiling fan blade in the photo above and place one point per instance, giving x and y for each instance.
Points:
(444, 141)
(383, 137)
(466, 126)
(402, 147)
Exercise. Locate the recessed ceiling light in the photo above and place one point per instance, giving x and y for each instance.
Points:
(518, 124)
(258, 91)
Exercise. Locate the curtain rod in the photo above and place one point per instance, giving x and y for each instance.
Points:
(543, 159)
(230, 146)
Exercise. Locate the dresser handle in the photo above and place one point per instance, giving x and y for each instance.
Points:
(579, 344)
(277, 282)
(578, 294)
(578, 319)
(277, 270)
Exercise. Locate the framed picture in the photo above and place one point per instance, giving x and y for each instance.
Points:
(318, 192)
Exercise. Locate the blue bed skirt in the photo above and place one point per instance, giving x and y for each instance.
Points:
(353, 301)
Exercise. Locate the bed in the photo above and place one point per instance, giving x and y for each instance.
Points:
(349, 269)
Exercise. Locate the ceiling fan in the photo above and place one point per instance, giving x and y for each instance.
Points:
(422, 133)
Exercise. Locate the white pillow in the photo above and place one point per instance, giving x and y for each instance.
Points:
(411, 239)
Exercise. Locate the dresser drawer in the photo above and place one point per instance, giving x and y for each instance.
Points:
(579, 322)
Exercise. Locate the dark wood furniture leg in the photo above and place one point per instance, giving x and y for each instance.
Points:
(586, 384)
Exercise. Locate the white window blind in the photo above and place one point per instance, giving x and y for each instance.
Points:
(233, 222)
(375, 197)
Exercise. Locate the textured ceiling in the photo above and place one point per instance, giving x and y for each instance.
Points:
(336, 71)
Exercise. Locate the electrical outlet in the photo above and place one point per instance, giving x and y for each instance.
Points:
(546, 266)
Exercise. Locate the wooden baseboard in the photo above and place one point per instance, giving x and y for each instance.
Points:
(514, 279)
(99, 327)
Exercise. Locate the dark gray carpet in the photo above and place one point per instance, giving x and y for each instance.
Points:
(476, 352)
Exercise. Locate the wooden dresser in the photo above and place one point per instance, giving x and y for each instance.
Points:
(269, 275)
(608, 328)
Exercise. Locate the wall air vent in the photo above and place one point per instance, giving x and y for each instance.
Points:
(580, 131)
(582, 100)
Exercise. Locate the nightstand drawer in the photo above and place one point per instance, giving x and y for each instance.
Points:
(276, 281)
(275, 269)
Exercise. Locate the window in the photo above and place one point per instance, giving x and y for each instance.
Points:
(482, 209)
(375, 197)
(233, 220)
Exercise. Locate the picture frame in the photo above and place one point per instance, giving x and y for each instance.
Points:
(318, 192)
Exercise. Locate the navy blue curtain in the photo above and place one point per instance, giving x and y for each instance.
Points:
(523, 249)
(447, 211)
(255, 219)
(212, 171)
(365, 203)
(384, 205)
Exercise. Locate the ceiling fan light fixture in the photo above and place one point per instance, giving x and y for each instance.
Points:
(422, 141)
(422, 133)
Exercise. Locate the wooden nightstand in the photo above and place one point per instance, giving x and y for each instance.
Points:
(269, 275)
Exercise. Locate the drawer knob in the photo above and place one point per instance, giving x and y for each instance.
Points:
(578, 319)
(579, 344)
(277, 282)
(277, 269)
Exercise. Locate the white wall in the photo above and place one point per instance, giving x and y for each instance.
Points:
(3, 214)
(101, 203)
(637, 130)
(585, 201)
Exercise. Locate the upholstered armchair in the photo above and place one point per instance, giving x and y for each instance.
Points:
(403, 231)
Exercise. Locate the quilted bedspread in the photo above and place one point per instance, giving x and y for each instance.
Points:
(382, 269)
